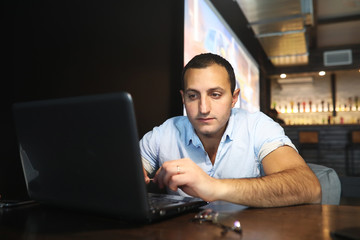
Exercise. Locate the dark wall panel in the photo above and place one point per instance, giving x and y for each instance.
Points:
(66, 48)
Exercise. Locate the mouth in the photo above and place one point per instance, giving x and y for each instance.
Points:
(205, 120)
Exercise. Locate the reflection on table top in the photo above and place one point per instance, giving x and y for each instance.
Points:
(296, 222)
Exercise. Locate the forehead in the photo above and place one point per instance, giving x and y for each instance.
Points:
(213, 76)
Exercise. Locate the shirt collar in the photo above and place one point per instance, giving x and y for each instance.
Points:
(191, 136)
(229, 128)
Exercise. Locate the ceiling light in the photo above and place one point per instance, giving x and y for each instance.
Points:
(322, 73)
(298, 80)
(283, 75)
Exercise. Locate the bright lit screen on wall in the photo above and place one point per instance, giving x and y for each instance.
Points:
(206, 31)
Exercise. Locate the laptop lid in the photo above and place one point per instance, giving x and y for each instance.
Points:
(83, 153)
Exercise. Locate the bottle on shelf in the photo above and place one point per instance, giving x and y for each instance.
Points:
(304, 105)
(298, 106)
(350, 103)
(356, 103)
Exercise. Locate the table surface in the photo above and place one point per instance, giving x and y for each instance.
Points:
(295, 222)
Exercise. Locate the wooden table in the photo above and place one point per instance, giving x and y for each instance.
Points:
(297, 222)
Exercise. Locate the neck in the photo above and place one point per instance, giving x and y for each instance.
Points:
(211, 144)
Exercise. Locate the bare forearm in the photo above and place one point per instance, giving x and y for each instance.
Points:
(290, 187)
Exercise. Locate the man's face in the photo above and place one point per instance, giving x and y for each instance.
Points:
(208, 99)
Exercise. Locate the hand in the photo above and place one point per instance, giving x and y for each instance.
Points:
(187, 176)
(146, 177)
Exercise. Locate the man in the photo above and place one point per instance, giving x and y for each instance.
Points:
(274, 115)
(218, 152)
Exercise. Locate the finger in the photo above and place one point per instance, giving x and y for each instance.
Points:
(146, 177)
(176, 181)
(170, 171)
(183, 182)
(158, 177)
(164, 173)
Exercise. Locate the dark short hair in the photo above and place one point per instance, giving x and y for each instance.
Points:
(205, 60)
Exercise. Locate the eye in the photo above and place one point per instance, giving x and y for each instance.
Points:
(216, 95)
(192, 96)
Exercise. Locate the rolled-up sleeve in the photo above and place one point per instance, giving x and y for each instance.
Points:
(149, 150)
(269, 136)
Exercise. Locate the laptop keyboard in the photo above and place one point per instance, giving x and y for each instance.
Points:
(157, 200)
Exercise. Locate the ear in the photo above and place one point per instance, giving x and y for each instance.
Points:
(182, 96)
(235, 97)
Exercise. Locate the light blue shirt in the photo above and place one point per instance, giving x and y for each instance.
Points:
(248, 138)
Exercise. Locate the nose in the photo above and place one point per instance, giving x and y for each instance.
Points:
(204, 105)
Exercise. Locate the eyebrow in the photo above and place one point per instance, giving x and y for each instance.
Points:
(209, 90)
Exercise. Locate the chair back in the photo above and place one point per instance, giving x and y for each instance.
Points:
(330, 184)
(355, 136)
(308, 137)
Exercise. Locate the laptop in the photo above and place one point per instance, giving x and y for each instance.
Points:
(83, 153)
